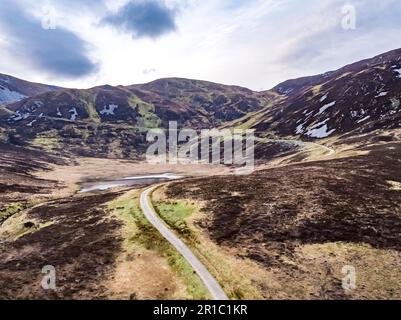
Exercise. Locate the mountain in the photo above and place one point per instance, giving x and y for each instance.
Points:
(111, 121)
(198, 104)
(14, 89)
(358, 98)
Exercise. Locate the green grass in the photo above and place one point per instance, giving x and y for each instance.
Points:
(89, 101)
(147, 118)
(46, 143)
(90, 108)
(11, 209)
(144, 235)
(174, 213)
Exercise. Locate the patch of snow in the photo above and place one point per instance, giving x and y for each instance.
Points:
(382, 94)
(325, 107)
(364, 119)
(18, 116)
(395, 103)
(59, 112)
(284, 91)
(30, 124)
(358, 114)
(378, 76)
(399, 72)
(321, 132)
(322, 99)
(300, 129)
(74, 114)
(6, 95)
(109, 110)
(35, 106)
(327, 74)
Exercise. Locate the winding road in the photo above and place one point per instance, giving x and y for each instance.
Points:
(209, 281)
(328, 151)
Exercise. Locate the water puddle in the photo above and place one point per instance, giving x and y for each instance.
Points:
(127, 182)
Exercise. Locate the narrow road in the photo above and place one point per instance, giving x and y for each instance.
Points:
(329, 151)
(210, 282)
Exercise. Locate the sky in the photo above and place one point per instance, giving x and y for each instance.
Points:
(251, 43)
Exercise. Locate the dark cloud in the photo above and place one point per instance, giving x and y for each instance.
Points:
(144, 18)
(58, 52)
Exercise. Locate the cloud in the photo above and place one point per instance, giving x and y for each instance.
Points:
(57, 52)
(254, 43)
(319, 43)
(144, 18)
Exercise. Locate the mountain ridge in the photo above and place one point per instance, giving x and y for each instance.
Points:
(358, 98)
(13, 89)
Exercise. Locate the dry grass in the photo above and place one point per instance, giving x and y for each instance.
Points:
(394, 185)
(136, 267)
(378, 272)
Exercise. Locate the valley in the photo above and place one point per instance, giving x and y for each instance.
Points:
(325, 192)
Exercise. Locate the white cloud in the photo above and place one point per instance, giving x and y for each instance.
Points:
(255, 43)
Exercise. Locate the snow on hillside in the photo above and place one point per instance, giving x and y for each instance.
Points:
(7, 95)
(320, 130)
(325, 107)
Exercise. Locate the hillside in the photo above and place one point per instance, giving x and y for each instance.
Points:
(358, 98)
(14, 89)
(110, 121)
